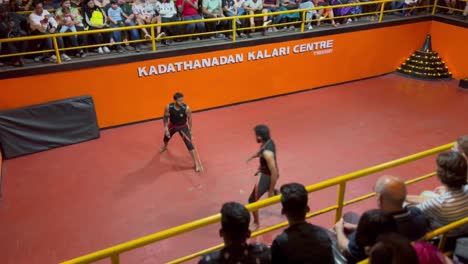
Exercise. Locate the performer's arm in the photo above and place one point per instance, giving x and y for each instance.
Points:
(189, 118)
(270, 159)
(166, 119)
(252, 157)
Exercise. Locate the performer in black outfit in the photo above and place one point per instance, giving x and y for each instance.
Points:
(178, 118)
(268, 169)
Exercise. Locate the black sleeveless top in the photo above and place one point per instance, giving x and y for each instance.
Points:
(177, 117)
(269, 145)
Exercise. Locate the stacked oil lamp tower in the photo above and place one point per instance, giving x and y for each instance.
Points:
(425, 64)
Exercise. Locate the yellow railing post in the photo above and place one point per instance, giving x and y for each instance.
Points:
(340, 201)
(303, 20)
(443, 238)
(234, 28)
(115, 259)
(382, 8)
(56, 48)
(153, 39)
(434, 8)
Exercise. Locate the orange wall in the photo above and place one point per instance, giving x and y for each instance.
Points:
(451, 42)
(121, 96)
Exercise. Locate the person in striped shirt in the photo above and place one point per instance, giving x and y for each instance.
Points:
(452, 205)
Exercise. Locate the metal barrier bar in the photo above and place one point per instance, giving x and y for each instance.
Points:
(115, 259)
(340, 201)
(434, 8)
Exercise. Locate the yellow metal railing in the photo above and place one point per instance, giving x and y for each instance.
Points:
(231, 31)
(115, 251)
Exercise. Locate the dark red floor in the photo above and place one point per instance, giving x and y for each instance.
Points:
(70, 201)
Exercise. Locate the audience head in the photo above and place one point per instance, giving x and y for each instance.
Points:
(392, 248)
(38, 7)
(461, 146)
(65, 3)
(452, 169)
(262, 132)
(88, 4)
(235, 220)
(294, 198)
(372, 224)
(391, 193)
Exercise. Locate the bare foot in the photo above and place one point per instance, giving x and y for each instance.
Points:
(199, 168)
(163, 148)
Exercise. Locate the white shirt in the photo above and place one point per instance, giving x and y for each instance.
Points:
(239, 3)
(143, 10)
(35, 22)
(167, 9)
(258, 5)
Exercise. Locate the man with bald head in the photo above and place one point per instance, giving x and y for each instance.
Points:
(391, 194)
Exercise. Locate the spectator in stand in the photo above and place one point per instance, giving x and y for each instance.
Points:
(255, 7)
(115, 17)
(271, 6)
(233, 8)
(95, 18)
(291, 17)
(214, 9)
(21, 5)
(391, 195)
(309, 14)
(130, 20)
(371, 224)
(323, 13)
(145, 14)
(235, 220)
(71, 22)
(189, 11)
(461, 146)
(301, 242)
(452, 205)
(392, 248)
(42, 23)
(346, 11)
(10, 27)
(168, 12)
(67, 21)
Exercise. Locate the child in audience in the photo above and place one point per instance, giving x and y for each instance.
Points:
(116, 17)
(67, 21)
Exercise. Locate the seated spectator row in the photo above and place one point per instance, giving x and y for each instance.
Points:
(88, 15)
(383, 235)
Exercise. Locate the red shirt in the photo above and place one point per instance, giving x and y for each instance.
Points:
(188, 9)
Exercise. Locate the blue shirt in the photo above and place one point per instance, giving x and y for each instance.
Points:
(115, 14)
